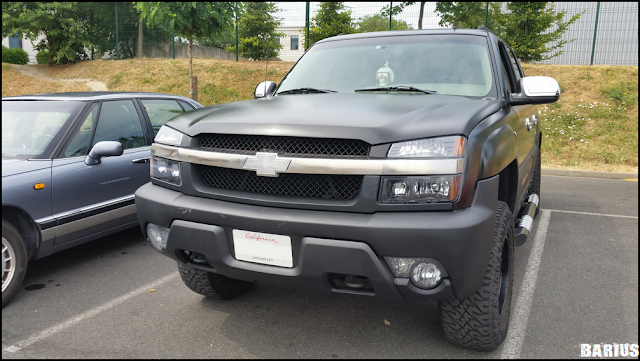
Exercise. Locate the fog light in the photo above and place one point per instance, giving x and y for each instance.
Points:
(425, 275)
(157, 236)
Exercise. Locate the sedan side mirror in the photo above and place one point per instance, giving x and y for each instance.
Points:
(103, 149)
(264, 89)
(536, 90)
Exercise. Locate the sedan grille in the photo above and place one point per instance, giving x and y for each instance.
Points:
(287, 146)
(315, 186)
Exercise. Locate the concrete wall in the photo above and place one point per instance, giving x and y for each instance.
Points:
(182, 51)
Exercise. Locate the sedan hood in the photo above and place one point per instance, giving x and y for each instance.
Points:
(17, 166)
(373, 118)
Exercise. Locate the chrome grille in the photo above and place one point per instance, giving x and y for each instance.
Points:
(286, 146)
(315, 186)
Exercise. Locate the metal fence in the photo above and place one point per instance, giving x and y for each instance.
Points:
(606, 33)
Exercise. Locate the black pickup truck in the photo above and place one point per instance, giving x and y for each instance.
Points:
(401, 165)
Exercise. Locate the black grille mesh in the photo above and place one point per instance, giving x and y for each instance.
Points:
(290, 146)
(316, 186)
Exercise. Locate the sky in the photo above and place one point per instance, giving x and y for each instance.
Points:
(293, 13)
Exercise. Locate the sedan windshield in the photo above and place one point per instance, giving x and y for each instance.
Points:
(30, 127)
(446, 64)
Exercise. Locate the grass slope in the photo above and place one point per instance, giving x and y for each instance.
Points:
(594, 126)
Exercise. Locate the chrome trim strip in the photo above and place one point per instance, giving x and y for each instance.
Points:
(95, 220)
(318, 166)
(86, 209)
(49, 233)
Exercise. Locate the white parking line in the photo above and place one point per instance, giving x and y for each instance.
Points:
(74, 320)
(520, 313)
(594, 214)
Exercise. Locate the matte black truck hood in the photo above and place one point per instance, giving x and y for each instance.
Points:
(374, 118)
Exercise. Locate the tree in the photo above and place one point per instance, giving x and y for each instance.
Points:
(468, 15)
(531, 28)
(64, 34)
(332, 19)
(190, 20)
(378, 22)
(397, 9)
(257, 31)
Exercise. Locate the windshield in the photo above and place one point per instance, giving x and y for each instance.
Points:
(448, 64)
(29, 127)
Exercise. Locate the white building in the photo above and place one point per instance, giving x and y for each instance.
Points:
(293, 42)
(24, 44)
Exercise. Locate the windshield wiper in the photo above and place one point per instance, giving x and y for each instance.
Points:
(306, 91)
(397, 88)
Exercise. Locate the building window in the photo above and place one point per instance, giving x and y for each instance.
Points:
(15, 42)
(294, 42)
(277, 40)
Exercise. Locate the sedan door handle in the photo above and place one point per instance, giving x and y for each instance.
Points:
(141, 160)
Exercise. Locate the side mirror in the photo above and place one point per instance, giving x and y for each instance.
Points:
(264, 89)
(536, 90)
(103, 149)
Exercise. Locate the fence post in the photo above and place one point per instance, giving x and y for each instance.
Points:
(117, 42)
(486, 14)
(390, 13)
(306, 37)
(173, 42)
(140, 42)
(595, 31)
(237, 31)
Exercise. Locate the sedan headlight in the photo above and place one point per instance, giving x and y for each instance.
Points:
(166, 170)
(168, 136)
(427, 188)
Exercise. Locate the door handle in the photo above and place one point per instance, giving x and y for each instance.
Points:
(527, 122)
(141, 160)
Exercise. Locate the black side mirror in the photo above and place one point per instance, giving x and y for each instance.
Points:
(103, 149)
(264, 89)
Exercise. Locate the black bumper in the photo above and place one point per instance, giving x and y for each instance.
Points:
(325, 243)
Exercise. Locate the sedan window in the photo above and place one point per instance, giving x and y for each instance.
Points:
(79, 145)
(160, 111)
(119, 121)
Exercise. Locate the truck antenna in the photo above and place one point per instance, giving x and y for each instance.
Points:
(266, 70)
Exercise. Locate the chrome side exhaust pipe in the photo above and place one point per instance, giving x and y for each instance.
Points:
(526, 222)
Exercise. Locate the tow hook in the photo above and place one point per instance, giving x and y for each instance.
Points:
(526, 222)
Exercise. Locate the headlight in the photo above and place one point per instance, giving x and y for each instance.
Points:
(168, 136)
(419, 189)
(428, 148)
(166, 170)
(427, 188)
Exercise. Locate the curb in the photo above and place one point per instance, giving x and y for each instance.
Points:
(587, 174)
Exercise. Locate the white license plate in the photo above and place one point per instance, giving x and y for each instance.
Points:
(271, 249)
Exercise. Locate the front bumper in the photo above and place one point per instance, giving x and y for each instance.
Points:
(326, 243)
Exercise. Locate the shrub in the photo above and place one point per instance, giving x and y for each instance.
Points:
(14, 56)
(42, 57)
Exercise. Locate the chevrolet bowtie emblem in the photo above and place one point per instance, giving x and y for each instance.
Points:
(266, 164)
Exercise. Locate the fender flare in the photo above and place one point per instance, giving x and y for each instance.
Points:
(498, 151)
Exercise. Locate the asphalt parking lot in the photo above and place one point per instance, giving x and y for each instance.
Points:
(576, 282)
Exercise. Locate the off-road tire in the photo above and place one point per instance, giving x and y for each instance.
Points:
(478, 321)
(534, 187)
(212, 285)
(14, 257)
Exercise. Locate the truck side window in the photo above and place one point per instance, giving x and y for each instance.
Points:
(514, 63)
(508, 71)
